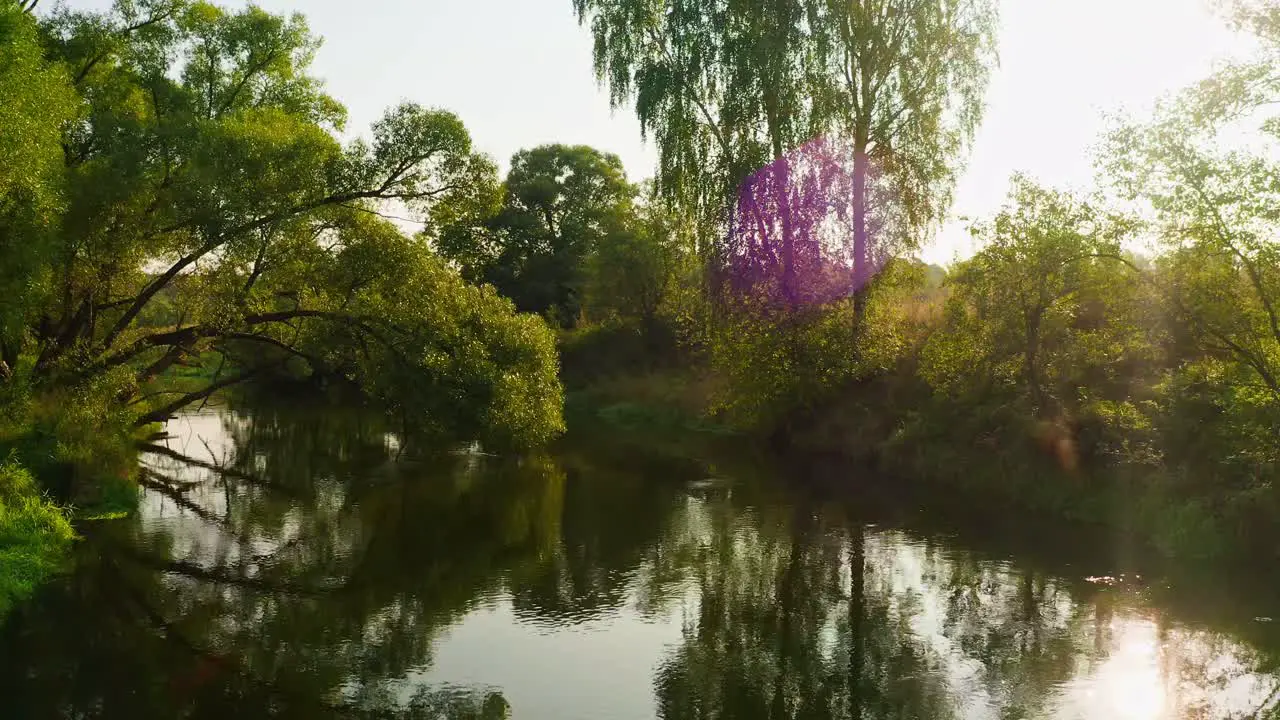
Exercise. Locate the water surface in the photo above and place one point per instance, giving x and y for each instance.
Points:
(297, 564)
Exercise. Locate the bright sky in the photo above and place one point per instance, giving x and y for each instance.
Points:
(519, 74)
(1065, 65)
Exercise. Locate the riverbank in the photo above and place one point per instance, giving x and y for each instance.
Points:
(996, 464)
(34, 536)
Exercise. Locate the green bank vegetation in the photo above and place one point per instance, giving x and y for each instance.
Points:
(34, 535)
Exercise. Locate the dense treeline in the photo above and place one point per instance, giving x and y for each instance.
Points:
(177, 189)
(1110, 356)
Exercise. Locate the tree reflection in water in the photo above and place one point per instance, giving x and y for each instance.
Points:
(297, 569)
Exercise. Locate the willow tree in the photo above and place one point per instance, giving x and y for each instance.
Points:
(723, 86)
(904, 83)
(210, 208)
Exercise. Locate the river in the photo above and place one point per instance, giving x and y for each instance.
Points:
(297, 564)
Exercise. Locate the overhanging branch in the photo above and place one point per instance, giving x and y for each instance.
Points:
(163, 413)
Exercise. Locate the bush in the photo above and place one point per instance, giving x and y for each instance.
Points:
(34, 536)
(590, 353)
(78, 441)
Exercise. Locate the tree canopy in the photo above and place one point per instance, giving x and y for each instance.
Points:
(723, 87)
(561, 203)
(202, 202)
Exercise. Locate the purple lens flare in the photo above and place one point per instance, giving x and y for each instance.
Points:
(791, 236)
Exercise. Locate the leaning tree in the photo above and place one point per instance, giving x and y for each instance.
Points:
(196, 199)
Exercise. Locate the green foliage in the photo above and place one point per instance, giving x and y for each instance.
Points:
(38, 100)
(34, 536)
(78, 441)
(561, 204)
(590, 352)
(1213, 415)
(204, 205)
(1045, 308)
(779, 366)
(1216, 209)
(723, 87)
(456, 359)
(630, 277)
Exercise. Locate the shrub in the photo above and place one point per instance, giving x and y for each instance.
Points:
(34, 535)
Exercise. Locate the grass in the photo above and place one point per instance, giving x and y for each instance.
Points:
(657, 401)
(34, 536)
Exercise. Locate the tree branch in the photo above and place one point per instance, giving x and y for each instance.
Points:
(154, 481)
(689, 92)
(1251, 269)
(167, 410)
(248, 75)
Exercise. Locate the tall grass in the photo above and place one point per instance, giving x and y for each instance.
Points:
(34, 536)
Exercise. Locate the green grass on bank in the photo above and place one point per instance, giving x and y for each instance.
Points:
(651, 402)
(34, 536)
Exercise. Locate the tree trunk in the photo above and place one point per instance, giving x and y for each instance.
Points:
(1032, 363)
(783, 190)
(8, 360)
(861, 168)
(781, 194)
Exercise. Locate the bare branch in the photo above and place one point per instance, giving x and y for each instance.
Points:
(169, 409)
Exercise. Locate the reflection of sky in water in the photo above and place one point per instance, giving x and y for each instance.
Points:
(204, 437)
(1001, 641)
(1126, 668)
(602, 669)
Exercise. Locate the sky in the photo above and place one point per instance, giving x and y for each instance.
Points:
(519, 74)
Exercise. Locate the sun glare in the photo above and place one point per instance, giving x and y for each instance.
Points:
(1130, 682)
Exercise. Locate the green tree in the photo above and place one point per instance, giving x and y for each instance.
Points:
(211, 208)
(38, 101)
(562, 202)
(1040, 304)
(1213, 205)
(904, 81)
(724, 86)
(1215, 210)
(629, 277)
